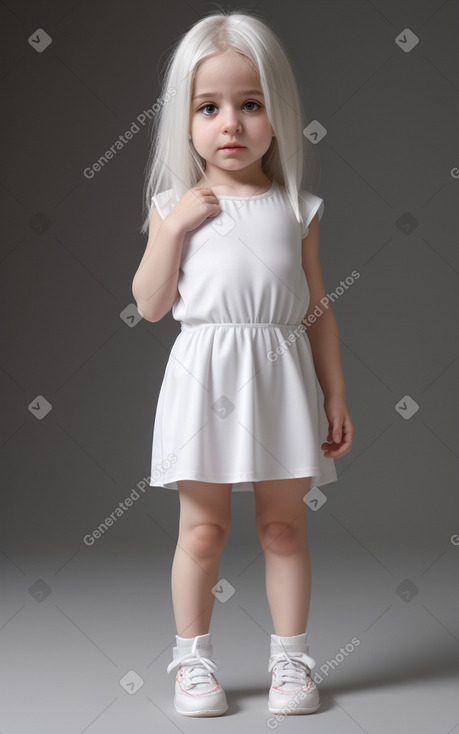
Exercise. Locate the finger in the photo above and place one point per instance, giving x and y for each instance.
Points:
(335, 451)
(337, 433)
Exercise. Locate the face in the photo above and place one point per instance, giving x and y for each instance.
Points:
(222, 112)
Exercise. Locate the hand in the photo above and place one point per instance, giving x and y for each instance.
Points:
(198, 204)
(340, 429)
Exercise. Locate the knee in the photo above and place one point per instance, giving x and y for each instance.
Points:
(206, 539)
(281, 537)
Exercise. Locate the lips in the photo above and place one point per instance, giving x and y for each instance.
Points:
(231, 145)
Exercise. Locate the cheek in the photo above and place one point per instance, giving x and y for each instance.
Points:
(199, 129)
(262, 130)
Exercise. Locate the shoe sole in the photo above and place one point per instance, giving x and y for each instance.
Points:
(202, 712)
(293, 711)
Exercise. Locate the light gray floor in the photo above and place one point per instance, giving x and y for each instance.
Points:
(109, 612)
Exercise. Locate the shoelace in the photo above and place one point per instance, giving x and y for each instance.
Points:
(197, 668)
(292, 666)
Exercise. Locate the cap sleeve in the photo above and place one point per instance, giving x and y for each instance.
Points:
(163, 202)
(309, 204)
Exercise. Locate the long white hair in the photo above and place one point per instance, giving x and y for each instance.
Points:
(174, 162)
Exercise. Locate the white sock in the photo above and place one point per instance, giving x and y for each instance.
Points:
(188, 641)
(294, 638)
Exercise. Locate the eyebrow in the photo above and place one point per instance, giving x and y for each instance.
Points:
(217, 94)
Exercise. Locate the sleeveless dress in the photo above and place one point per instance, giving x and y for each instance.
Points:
(240, 400)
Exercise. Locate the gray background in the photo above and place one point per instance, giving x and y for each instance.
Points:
(76, 619)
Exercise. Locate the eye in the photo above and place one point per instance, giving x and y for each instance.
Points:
(209, 104)
(204, 107)
(253, 102)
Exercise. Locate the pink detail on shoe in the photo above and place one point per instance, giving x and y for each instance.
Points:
(201, 695)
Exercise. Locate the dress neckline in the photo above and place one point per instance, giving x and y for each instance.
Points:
(244, 198)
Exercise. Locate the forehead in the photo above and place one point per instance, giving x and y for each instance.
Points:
(226, 67)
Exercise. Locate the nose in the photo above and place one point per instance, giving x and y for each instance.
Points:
(231, 121)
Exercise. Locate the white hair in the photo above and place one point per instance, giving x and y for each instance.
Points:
(174, 162)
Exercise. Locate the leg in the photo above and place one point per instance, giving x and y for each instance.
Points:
(205, 521)
(281, 528)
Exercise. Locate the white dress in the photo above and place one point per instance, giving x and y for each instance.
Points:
(240, 400)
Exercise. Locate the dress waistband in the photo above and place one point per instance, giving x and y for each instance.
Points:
(253, 324)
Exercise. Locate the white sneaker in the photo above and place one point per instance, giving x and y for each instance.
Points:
(197, 691)
(292, 689)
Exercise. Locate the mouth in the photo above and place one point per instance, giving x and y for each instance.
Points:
(233, 150)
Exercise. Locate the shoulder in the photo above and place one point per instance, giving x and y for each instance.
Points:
(163, 201)
(309, 205)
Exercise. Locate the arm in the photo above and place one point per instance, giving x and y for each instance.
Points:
(324, 340)
(155, 283)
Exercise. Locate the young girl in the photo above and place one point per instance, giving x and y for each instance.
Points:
(233, 248)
